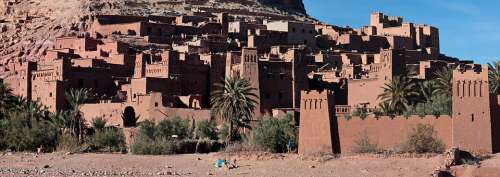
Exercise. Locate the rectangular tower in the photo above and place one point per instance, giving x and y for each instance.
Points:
(472, 121)
(317, 123)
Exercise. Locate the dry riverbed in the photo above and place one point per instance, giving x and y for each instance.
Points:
(253, 165)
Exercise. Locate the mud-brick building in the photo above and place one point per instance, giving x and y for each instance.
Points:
(473, 126)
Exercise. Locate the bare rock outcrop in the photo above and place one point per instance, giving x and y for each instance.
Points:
(296, 5)
(29, 27)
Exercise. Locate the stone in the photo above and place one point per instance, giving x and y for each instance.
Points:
(455, 156)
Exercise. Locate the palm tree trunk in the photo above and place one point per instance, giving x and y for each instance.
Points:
(230, 134)
(80, 130)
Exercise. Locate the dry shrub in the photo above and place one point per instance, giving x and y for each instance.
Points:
(320, 156)
(422, 139)
(68, 143)
(243, 147)
(364, 145)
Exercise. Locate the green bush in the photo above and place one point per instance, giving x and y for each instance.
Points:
(99, 123)
(407, 114)
(378, 113)
(168, 128)
(365, 145)
(3, 128)
(360, 112)
(23, 131)
(24, 125)
(144, 145)
(157, 139)
(224, 133)
(273, 134)
(422, 139)
(206, 130)
(108, 139)
(207, 146)
(347, 116)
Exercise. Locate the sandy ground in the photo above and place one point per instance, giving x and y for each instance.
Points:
(58, 164)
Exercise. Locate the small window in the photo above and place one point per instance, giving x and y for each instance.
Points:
(156, 104)
(293, 30)
(50, 94)
(472, 117)
(282, 76)
(269, 75)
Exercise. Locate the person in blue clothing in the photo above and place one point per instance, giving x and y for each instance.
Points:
(290, 146)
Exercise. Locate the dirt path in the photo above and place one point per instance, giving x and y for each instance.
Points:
(58, 164)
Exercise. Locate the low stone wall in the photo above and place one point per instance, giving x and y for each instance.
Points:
(388, 133)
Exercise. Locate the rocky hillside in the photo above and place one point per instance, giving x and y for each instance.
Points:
(28, 27)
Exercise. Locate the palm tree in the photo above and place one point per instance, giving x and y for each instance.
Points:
(34, 109)
(7, 100)
(75, 98)
(425, 91)
(443, 83)
(494, 76)
(397, 94)
(234, 101)
(99, 123)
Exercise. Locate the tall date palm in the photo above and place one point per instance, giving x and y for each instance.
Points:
(494, 76)
(397, 94)
(234, 102)
(443, 82)
(75, 98)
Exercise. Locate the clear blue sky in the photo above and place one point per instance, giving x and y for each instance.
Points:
(468, 29)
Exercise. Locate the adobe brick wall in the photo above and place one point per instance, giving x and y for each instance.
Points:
(389, 133)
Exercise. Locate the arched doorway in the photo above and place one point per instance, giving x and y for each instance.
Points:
(129, 118)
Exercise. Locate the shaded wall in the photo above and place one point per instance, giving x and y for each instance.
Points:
(317, 128)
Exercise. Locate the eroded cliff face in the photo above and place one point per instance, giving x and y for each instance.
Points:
(294, 5)
(28, 28)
